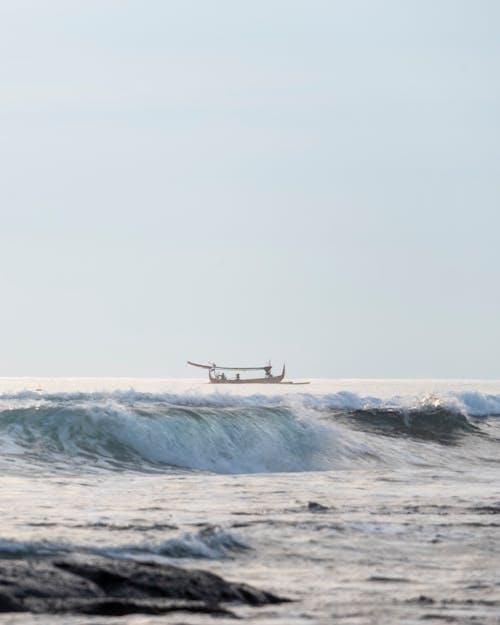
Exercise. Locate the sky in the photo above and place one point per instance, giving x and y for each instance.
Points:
(315, 182)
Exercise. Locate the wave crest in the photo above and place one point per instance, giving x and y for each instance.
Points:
(432, 423)
(153, 432)
(225, 433)
(211, 542)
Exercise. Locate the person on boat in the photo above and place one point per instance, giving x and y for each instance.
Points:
(237, 376)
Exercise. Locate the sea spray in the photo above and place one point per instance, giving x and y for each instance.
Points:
(226, 433)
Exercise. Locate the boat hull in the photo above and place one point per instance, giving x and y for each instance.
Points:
(272, 379)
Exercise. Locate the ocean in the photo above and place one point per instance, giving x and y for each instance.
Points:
(359, 501)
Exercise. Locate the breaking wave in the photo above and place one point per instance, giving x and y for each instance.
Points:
(128, 430)
(428, 423)
(211, 542)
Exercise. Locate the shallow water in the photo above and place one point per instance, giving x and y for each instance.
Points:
(363, 501)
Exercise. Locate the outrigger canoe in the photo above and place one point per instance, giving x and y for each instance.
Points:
(217, 375)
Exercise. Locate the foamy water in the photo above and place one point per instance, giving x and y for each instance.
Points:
(355, 498)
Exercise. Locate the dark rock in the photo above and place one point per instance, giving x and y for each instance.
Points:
(8, 604)
(116, 587)
(121, 607)
(425, 599)
(314, 506)
(40, 578)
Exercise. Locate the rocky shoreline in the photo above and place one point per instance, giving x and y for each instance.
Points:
(115, 587)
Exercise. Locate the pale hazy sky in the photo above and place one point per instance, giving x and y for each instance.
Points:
(310, 181)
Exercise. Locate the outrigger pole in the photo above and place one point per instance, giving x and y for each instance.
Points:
(214, 366)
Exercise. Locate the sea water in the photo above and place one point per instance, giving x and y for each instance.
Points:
(363, 501)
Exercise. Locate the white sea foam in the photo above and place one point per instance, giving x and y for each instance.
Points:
(210, 543)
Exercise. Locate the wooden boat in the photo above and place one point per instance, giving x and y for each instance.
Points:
(217, 375)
